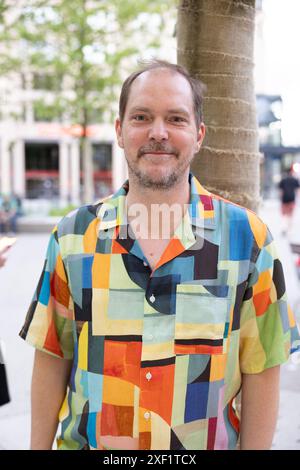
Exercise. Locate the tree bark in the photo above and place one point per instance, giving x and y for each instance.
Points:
(215, 43)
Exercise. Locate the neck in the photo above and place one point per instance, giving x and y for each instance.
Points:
(148, 208)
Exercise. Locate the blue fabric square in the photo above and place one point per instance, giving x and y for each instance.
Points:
(45, 289)
(241, 238)
(91, 429)
(87, 272)
(196, 401)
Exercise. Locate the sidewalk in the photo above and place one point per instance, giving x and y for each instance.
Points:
(287, 434)
(18, 281)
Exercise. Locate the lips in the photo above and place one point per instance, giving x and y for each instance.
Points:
(158, 153)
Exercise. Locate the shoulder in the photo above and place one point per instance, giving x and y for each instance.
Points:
(78, 221)
(242, 219)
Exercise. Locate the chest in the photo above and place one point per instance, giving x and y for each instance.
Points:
(153, 249)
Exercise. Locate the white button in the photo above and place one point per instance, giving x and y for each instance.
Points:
(145, 264)
(152, 298)
(147, 415)
(149, 376)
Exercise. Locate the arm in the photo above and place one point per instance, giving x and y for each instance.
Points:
(49, 382)
(260, 401)
(2, 258)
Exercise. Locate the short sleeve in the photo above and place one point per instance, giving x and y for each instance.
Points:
(268, 330)
(49, 321)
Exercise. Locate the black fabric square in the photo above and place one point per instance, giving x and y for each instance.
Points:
(206, 261)
(164, 291)
(95, 352)
(136, 270)
(84, 313)
(278, 278)
(240, 293)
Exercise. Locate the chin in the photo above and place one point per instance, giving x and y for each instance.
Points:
(163, 181)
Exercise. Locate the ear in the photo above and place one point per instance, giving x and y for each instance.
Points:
(200, 136)
(118, 129)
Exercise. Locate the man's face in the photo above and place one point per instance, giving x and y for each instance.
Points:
(159, 133)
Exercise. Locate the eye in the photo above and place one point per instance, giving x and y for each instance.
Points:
(178, 119)
(139, 117)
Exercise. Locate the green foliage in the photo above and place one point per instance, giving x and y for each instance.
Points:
(89, 45)
(61, 212)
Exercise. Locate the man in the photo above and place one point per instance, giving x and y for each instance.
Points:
(288, 188)
(145, 338)
(8, 214)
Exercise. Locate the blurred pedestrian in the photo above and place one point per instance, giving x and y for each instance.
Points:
(288, 190)
(9, 213)
(4, 393)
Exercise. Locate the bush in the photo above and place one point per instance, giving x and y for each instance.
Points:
(56, 211)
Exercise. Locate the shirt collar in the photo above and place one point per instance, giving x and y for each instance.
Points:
(200, 214)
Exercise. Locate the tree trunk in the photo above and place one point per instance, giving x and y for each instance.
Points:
(215, 43)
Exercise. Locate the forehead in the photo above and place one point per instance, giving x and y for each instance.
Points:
(160, 86)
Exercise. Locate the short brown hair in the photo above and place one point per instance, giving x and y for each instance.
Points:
(196, 85)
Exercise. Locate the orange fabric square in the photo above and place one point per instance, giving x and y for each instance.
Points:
(173, 249)
(145, 441)
(122, 359)
(51, 342)
(261, 302)
(157, 394)
(101, 271)
(117, 420)
(197, 349)
(60, 290)
(117, 248)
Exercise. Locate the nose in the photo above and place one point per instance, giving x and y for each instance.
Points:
(158, 130)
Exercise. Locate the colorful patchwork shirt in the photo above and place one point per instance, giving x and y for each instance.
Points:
(158, 355)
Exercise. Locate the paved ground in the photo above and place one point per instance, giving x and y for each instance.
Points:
(18, 281)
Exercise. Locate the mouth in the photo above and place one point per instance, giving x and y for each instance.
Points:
(158, 153)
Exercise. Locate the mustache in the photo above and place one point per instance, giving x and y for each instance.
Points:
(157, 147)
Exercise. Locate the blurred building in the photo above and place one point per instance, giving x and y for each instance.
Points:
(277, 158)
(40, 157)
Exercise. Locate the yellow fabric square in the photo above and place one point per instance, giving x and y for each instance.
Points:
(83, 348)
(153, 352)
(198, 330)
(39, 326)
(264, 283)
(160, 433)
(90, 237)
(258, 228)
(119, 276)
(292, 320)
(103, 325)
(218, 366)
(59, 268)
(99, 310)
(117, 391)
(144, 424)
(71, 244)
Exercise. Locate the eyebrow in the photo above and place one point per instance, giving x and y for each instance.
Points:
(148, 110)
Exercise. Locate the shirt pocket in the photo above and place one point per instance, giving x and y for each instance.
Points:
(202, 319)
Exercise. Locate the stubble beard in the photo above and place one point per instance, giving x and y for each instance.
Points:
(162, 182)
